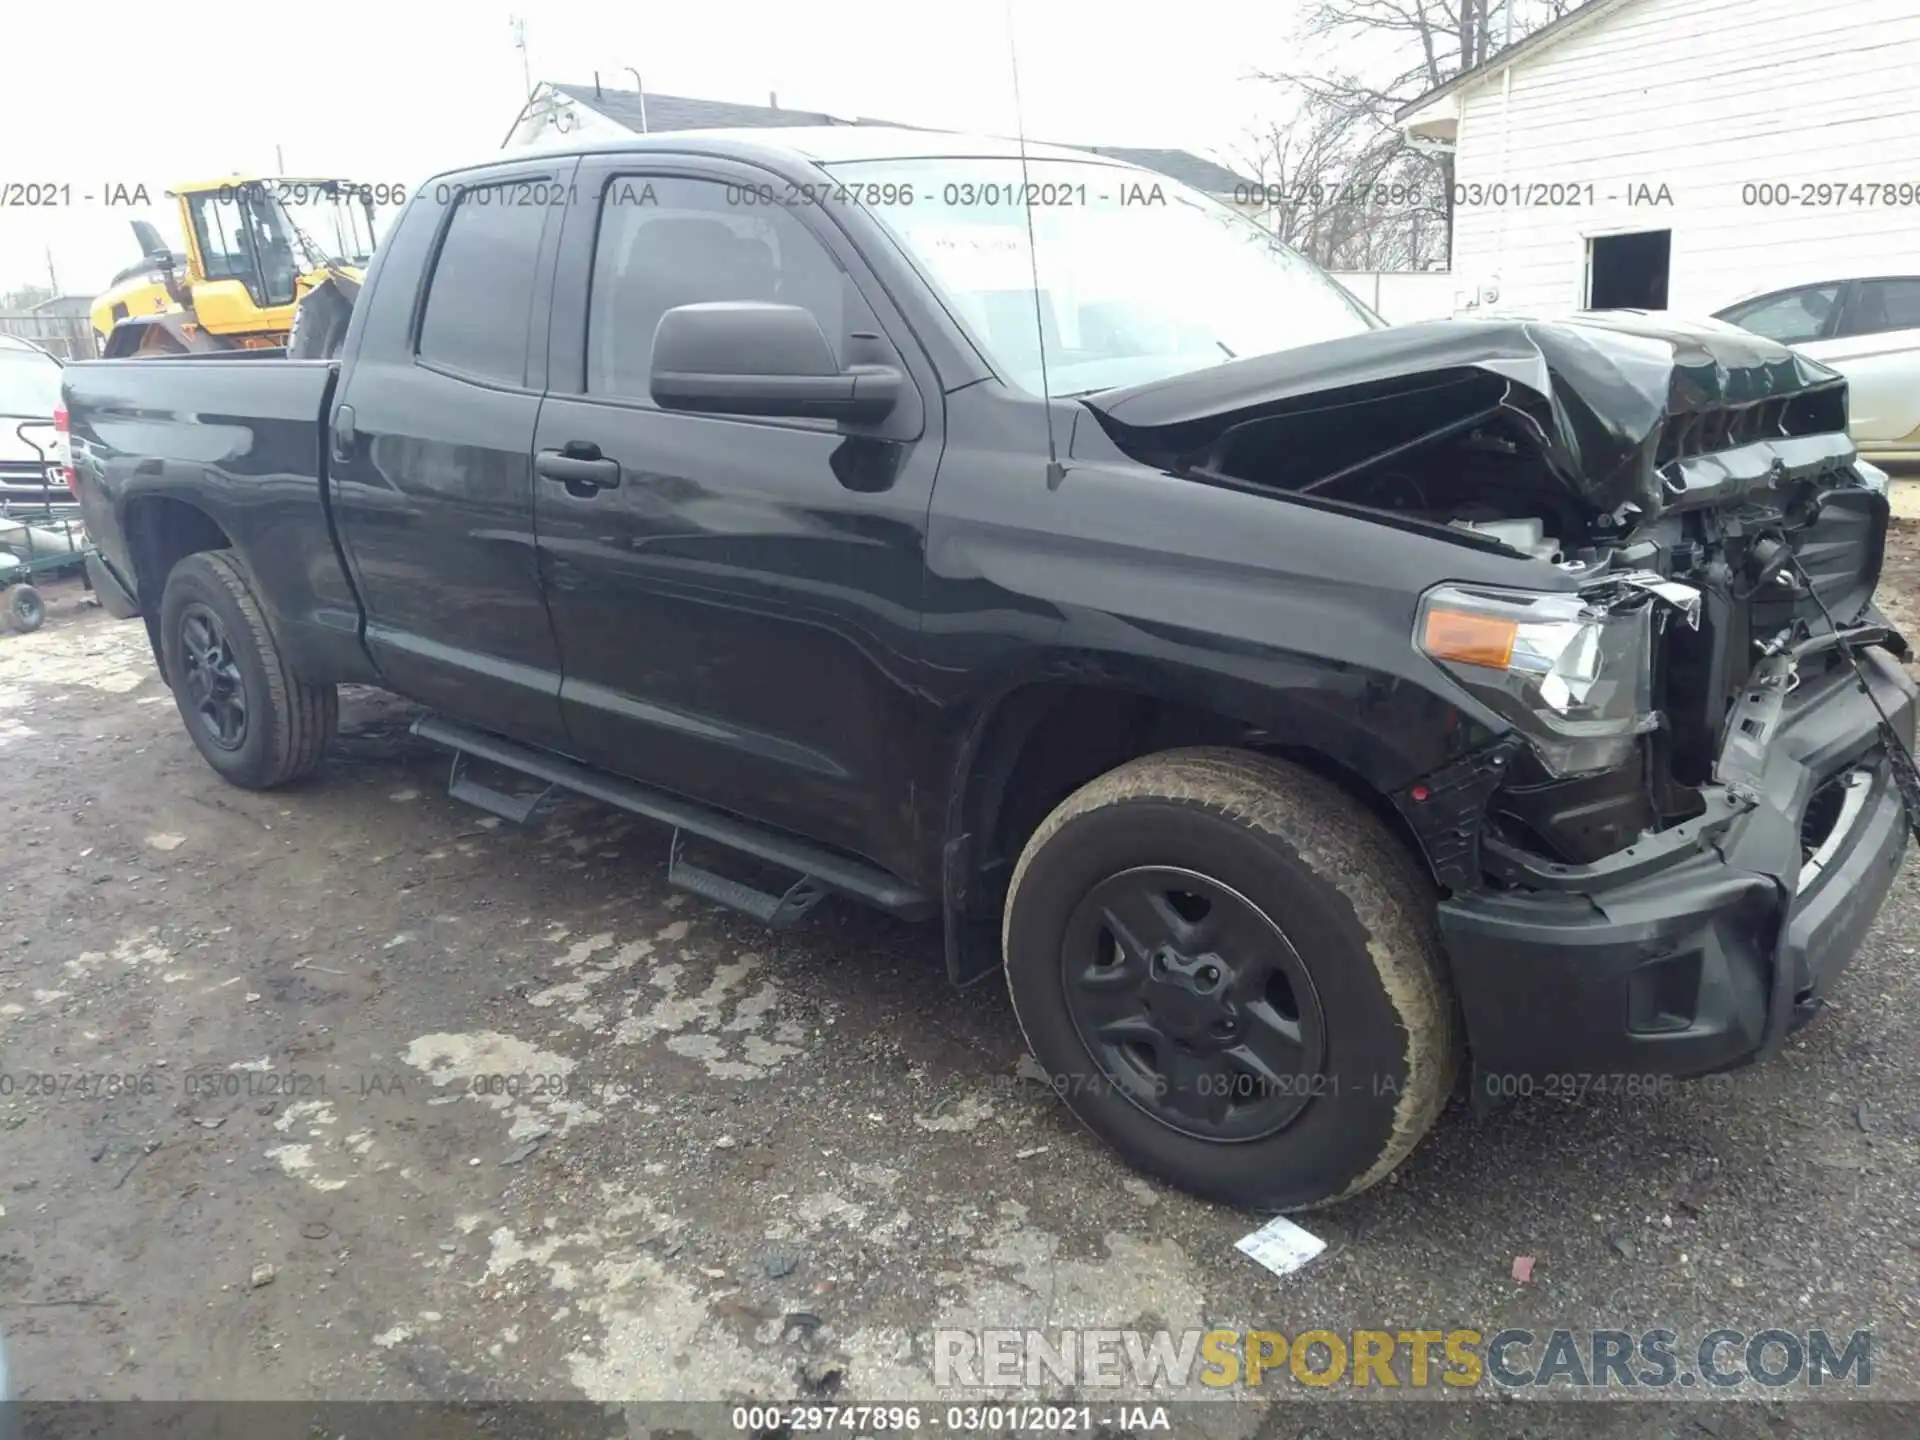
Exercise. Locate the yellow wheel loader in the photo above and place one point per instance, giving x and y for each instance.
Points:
(270, 263)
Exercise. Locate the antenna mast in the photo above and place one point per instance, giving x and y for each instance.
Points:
(1056, 472)
(519, 27)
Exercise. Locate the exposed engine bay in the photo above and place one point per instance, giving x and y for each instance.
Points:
(1692, 486)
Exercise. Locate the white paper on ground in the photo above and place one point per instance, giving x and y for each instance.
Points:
(1280, 1245)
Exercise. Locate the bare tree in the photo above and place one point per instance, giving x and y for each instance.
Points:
(25, 298)
(1342, 181)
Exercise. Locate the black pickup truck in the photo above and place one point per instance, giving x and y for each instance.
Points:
(1298, 709)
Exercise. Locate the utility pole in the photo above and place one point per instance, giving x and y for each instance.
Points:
(53, 280)
(279, 163)
(520, 43)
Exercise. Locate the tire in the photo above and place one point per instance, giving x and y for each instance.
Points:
(26, 611)
(1286, 907)
(285, 723)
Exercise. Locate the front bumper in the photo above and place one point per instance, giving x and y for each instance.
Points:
(1699, 948)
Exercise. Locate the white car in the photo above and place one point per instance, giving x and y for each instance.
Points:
(29, 394)
(1868, 330)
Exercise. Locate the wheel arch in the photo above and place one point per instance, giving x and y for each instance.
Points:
(161, 531)
(1037, 737)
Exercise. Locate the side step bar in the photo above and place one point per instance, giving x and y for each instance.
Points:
(777, 911)
(821, 870)
(482, 796)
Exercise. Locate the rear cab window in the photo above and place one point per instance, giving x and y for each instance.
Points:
(480, 293)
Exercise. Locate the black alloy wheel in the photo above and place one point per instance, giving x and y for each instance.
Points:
(216, 689)
(1194, 1003)
(251, 714)
(1229, 969)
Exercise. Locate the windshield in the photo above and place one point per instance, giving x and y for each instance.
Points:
(337, 218)
(29, 384)
(1139, 277)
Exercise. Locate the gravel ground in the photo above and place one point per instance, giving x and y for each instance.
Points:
(735, 1164)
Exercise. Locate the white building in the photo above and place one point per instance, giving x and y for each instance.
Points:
(1684, 154)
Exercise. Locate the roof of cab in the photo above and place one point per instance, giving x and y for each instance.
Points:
(818, 144)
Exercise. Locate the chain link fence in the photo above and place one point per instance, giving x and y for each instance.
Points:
(68, 336)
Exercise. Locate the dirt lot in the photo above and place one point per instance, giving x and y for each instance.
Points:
(734, 1164)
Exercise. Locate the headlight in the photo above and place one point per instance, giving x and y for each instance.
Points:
(1573, 677)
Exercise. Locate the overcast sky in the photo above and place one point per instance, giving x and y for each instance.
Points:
(99, 94)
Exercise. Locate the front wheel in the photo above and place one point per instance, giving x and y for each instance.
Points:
(1230, 969)
(252, 718)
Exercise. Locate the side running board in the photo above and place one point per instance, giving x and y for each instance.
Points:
(820, 871)
(778, 911)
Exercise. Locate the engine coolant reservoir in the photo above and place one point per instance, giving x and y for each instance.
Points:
(1527, 536)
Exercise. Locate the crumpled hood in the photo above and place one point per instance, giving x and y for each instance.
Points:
(1611, 397)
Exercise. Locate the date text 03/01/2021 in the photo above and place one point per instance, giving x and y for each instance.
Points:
(960, 1419)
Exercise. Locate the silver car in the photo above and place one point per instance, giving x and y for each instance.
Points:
(1868, 330)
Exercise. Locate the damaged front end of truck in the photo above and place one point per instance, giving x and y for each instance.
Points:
(1701, 787)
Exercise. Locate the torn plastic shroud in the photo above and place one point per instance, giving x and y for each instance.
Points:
(1623, 407)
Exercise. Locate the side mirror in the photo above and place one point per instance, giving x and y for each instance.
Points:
(747, 358)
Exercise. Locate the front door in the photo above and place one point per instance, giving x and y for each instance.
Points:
(736, 600)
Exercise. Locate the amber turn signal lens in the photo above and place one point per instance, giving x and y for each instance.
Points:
(1470, 639)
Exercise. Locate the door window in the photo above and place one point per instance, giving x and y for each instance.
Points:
(670, 242)
(1883, 305)
(1792, 317)
(243, 237)
(223, 238)
(481, 292)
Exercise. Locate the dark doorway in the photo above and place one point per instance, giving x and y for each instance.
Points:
(1629, 272)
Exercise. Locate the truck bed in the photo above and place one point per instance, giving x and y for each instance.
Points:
(240, 439)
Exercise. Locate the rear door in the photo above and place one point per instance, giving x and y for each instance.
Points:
(738, 616)
(432, 440)
(1877, 347)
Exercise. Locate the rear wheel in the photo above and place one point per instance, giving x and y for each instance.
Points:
(1231, 971)
(25, 609)
(250, 716)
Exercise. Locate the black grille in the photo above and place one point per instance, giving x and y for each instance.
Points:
(1690, 433)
